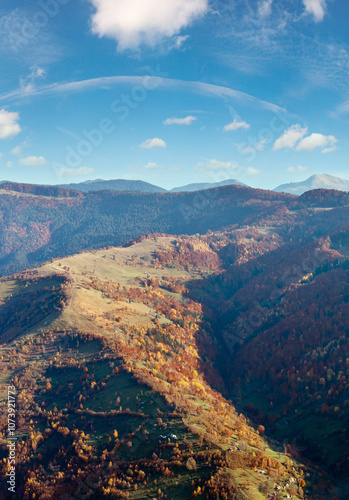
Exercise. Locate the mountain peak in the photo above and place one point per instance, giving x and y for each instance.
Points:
(316, 181)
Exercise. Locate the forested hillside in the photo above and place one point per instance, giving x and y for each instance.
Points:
(246, 315)
(117, 386)
(38, 223)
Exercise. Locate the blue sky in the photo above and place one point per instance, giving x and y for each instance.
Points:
(174, 92)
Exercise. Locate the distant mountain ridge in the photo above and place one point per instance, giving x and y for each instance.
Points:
(39, 190)
(206, 185)
(314, 182)
(142, 186)
(114, 185)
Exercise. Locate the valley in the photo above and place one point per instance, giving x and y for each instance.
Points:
(146, 370)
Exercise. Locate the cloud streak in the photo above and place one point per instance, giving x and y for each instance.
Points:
(162, 83)
(188, 120)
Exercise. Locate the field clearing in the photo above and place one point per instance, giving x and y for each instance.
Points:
(121, 265)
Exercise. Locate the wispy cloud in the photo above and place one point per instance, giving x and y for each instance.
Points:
(188, 120)
(214, 165)
(330, 149)
(251, 172)
(153, 143)
(279, 38)
(251, 148)
(299, 169)
(27, 83)
(235, 125)
(151, 166)
(316, 8)
(343, 108)
(26, 33)
(18, 150)
(74, 172)
(136, 22)
(9, 126)
(264, 8)
(162, 83)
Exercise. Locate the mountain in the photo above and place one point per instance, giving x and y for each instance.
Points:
(39, 223)
(117, 386)
(154, 369)
(314, 182)
(7, 187)
(141, 186)
(206, 185)
(113, 185)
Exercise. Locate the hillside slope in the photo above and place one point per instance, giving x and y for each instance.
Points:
(36, 225)
(117, 392)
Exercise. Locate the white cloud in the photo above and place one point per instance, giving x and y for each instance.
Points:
(33, 161)
(9, 164)
(36, 72)
(343, 108)
(290, 137)
(188, 120)
(135, 22)
(8, 124)
(299, 169)
(218, 165)
(27, 83)
(151, 166)
(251, 172)
(178, 41)
(316, 8)
(314, 141)
(235, 125)
(153, 143)
(74, 172)
(260, 144)
(329, 150)
(17, 151)
(251, 148)
(264, 8)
